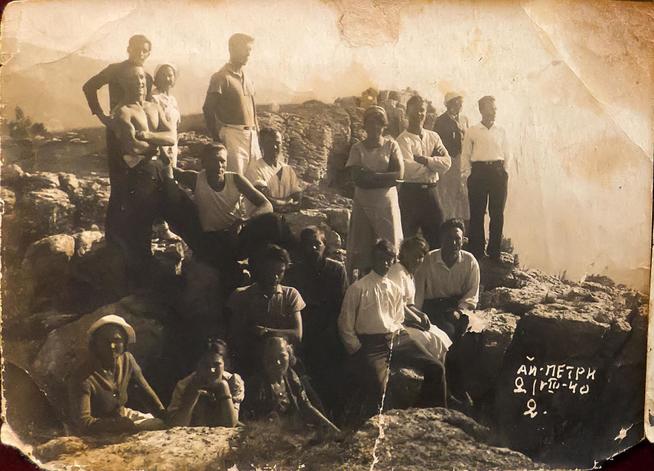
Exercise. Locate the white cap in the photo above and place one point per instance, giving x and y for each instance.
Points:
(113, 319)
(449, 96)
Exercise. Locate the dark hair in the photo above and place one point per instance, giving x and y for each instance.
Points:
(417, 242)
(485, 99)
(138, 39)
(309, 231)
(415, 100)
(239, 38)
(209, 150)
(160, 71)
(384, 246)
(269, 252)
(452, 224)
(216, 346)
(268, 132)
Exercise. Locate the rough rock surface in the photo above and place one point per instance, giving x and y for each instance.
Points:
(418, 439)
(412, 440)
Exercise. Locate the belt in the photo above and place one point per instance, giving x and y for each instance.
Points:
(488, 163)
(241, 127)
(422, 186)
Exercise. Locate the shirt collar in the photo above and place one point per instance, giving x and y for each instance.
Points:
(439, 259)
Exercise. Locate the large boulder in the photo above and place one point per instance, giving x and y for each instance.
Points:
(555, 375)
(97, 272)
(45, 212)
(65, 349)
(478, 356)
(418, 439)
(46, 266)
(91, 198)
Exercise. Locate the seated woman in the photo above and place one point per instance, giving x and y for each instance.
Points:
(421, 331)
(100, 394)
(210, 396)
(264, 308)
(277, 393)
(271, 176)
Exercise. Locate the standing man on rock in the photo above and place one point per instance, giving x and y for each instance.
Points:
(137, 189)
(425, 158)
(229, 108)
(138, 49)
(451, 127)
(484, 161)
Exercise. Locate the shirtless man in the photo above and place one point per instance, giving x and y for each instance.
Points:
(140, 127)
(138, 51)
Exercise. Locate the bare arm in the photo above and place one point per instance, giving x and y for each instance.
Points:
(395, 171)
(188, 178)
(165, 135)
(182, 403)
(294, 335)
(157, 407)
(253, 195)
(124, 129)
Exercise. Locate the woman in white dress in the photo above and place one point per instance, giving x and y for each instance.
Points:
(376, 165)
(165, 76)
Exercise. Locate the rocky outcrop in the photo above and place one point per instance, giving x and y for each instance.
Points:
(410, 440)
(428, 439)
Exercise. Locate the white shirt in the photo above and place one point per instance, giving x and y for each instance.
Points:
(372, 305)
(217, 210)
(482, 144)
(280, 179)
(425, 145)
(434, 279)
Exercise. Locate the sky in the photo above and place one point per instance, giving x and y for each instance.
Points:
(572, 81)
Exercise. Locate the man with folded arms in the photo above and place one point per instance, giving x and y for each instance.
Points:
(229, 109)
(425, 157)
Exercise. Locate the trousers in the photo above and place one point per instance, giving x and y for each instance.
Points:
(421, 208)
(487, 187)
(375, 357)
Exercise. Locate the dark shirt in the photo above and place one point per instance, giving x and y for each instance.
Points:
(321, 288)
(261, 402)
(110, 75)
(98, 395)
(451, 132)
(250, 307)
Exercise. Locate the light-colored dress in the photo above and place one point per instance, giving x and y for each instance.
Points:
(435, 341)
(375, 212)
(171, 111)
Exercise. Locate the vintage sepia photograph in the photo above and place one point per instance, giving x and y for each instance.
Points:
(326, 234)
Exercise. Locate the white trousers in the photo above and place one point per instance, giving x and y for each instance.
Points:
(242, 147)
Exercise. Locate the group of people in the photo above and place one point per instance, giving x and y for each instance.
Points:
(302, 340)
